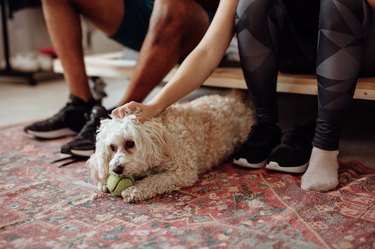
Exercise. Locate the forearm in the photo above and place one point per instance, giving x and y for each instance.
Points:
(196, 68)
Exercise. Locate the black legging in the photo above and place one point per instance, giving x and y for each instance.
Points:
(332, 39)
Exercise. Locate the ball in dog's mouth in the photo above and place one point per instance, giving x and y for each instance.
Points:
(116, 184)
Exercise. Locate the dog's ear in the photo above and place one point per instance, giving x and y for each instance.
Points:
(99, 161)
(162, 142)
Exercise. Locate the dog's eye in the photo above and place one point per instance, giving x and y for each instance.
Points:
(113, 147)
(129, 144)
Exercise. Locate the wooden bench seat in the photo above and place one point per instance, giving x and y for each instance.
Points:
(112, 65)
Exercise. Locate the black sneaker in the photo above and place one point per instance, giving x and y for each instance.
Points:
(84, 143)
(68, 121)
(254, 152)
(293, 154)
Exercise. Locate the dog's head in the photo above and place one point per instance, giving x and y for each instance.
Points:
(126, 147)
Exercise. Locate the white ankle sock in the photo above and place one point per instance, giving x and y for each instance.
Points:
(322, 172)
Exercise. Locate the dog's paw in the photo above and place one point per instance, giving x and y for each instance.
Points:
(102, 188)
(132, 194)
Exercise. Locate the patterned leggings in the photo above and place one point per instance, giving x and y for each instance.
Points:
(337, 43)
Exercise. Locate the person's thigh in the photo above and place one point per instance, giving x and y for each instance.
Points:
(104, 15)
(134, 24)
(368, 66)
(125, 21)
(299, 36)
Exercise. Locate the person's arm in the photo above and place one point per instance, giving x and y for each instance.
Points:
(372, 3)
(196, 68)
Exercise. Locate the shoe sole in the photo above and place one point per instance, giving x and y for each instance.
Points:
(86, 153)
(52, 134)
(244, 163)
(291, 169)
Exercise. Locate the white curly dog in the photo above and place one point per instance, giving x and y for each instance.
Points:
(170, 151)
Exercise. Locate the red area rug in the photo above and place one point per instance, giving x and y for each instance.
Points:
(43, 206)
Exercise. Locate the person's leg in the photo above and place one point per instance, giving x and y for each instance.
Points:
(258, 35)
(343, 27)
(64, 26)
(368, 65)
(175, 29)
(297, 55)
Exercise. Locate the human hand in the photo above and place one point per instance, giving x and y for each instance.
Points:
(143, 112)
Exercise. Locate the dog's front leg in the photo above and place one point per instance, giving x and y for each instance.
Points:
(158, 184)
(99, 172)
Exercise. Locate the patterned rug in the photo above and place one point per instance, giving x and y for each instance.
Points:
(43, 206)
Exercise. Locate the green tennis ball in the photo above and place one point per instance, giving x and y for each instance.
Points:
(116, 184)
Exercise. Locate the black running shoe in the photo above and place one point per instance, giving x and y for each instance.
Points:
(254, 152)
(84, 143)
(293, 154)
(68, 121)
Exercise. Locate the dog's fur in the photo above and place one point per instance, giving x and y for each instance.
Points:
(170, 151)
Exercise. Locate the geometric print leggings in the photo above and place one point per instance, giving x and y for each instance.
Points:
(334, 39)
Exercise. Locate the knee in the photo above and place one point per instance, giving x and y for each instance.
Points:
(169, 17)
(253, 13)
(75, 4)
(54, 2)
(339, 13)
(56, 5)
(48, 2)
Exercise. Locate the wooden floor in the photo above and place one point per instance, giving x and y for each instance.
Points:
(21, 103)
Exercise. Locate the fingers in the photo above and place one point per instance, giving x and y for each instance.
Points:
(119, 113)
(129, 108)
(141, 118)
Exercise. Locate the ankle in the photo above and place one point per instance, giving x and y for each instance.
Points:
(326, 154)
(78, 101)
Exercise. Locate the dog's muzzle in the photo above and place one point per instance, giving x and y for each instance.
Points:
(118, 169)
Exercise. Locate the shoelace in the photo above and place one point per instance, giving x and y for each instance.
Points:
(89, 130)
(65, 161)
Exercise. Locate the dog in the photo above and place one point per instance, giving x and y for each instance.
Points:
(171, 150)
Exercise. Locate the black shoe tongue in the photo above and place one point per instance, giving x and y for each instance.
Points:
(74, 120)
(99, 112)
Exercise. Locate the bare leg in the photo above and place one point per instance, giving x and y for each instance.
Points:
(64, 26)
(176, 27)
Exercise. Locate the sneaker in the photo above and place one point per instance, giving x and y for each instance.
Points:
(293, 154)
(262, 139)
(68, 121)
(84, 143)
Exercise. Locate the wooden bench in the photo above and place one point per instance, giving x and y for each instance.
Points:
(112, 65)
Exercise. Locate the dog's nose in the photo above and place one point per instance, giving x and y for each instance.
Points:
(118, 169)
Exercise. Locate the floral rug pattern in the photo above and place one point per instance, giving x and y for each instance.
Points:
(44, 206)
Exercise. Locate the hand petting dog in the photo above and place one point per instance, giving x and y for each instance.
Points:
(143, 112)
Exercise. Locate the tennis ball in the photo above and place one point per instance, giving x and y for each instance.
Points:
(116, 184)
